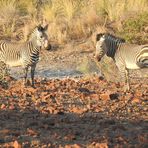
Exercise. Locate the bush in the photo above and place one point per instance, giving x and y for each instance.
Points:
(135, 29)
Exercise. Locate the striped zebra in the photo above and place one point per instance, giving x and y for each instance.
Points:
(25, 54)
(126, 56)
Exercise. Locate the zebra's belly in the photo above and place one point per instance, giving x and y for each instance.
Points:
(14, 63)
(145, 55)
(131, 65)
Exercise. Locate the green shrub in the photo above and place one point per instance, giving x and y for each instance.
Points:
(135, 29)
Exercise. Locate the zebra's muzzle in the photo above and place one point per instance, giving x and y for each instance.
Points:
(98, 58)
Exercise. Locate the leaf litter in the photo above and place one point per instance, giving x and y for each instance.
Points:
(73, 113)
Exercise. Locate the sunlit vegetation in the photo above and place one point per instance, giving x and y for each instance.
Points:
(72, 19)
(135, 29)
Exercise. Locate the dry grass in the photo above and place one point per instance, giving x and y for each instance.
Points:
(81, 18)
(8, 17)
(71, 8)
(14, 16)
(68, 19)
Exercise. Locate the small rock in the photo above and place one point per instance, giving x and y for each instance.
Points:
(5, 132)
(70, 137)
(31, 132)
(114, 96)
(95, 96)
(78, 110)
(101, 145)
(68, 146)
(3, 106)
(16, 144)
(84, 90)
(35, 142)
(76, 146)
(49, 145)
(11, 107)
(105, 97)
(135, 100)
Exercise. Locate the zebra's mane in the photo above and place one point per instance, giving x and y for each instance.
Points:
(98, 36)
(30, 34)
(40, 28)
(113, 44)
(115, 37)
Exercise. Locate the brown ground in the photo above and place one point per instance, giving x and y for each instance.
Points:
(73, 112)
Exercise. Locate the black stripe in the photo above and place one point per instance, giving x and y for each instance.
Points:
(112, 44)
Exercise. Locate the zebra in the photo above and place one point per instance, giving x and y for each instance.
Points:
(25, 54)
(126, 56)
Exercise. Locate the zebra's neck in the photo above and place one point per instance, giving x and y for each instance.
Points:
(112, 46)
(34, 47)
(32, 37)
(111, 51)
(36, 42)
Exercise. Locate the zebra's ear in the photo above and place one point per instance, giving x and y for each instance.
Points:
(123, 40)
(98, 36)
(46, 27)
(40, 28)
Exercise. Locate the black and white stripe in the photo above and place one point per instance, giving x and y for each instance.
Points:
(25, 54)
(107, 44)
(142, 57)
(126, 56)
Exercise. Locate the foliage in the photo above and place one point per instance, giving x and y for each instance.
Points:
(135, 29)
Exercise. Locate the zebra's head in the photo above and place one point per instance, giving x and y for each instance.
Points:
(40, 36)
(100, 50)
(107, 44)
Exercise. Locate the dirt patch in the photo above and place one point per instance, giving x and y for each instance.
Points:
(73, 113)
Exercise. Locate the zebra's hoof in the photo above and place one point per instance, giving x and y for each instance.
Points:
(49, 47)
(126, 88)
(27, 83)
(33, 86)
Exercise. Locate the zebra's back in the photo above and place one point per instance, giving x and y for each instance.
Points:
(142, 58)
(11, 53)
(132, 55)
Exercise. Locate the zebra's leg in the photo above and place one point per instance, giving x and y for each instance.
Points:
(125, 77)
(32, 73)
(25, 77)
